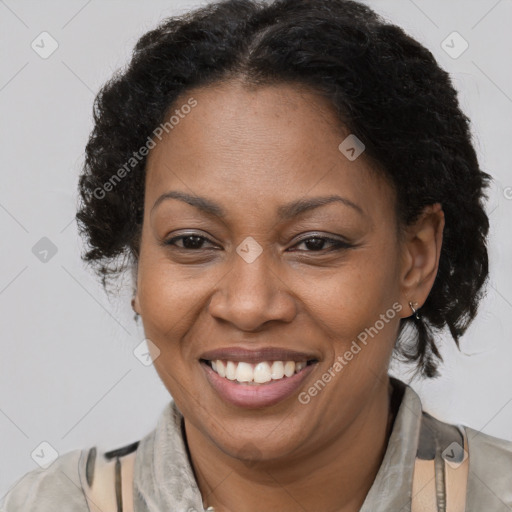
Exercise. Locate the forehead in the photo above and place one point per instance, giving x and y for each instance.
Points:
(258, 144)
(232, 112)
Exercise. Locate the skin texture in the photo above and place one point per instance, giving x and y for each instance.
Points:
(251, 151)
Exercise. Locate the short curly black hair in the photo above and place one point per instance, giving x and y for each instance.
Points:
(386, 88)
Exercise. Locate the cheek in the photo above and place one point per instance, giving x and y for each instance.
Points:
(347, 301)
(168, 297)
(166, 307)
(169, 305)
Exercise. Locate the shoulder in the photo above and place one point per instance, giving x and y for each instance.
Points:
(486, 444)
(490, 469)
(489, 479)
(108, 477)
(485, 452)
(43, 490)
(75, 479)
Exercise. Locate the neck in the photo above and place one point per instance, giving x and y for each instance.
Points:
(343, 469)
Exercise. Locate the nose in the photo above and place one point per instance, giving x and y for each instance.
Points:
(252, 294)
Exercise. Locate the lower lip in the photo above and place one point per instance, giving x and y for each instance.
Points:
(259, 395)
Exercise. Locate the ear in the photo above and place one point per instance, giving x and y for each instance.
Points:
(421, 250)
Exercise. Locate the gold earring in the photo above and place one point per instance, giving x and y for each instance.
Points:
(413, 305)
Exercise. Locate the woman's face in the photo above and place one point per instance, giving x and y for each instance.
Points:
(259, 281)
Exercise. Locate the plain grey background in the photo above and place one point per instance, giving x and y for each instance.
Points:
(68, 373)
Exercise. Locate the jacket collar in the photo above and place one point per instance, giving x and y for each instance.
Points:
(392, 487)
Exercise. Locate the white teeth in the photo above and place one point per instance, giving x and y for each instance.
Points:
(262, 373)
(244, 372)
(259, 373)
(300, 366)
(289, 368)
(231, 370)
(277, 371)
(221, 368)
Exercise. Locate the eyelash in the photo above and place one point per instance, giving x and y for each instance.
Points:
(336, 245)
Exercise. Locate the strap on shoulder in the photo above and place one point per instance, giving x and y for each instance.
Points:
(441, 468)
(108, 479)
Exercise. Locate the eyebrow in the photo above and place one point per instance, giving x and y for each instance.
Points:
(284, 212)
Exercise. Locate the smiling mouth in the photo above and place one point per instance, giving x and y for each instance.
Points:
(261, 373)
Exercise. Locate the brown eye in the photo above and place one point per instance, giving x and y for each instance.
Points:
(188, 242)
(317, 244)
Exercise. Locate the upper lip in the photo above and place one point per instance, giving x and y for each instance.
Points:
(257, 355)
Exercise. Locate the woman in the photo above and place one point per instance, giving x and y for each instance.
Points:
(294, 188)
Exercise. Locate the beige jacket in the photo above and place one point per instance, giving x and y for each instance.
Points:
(158, 477)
